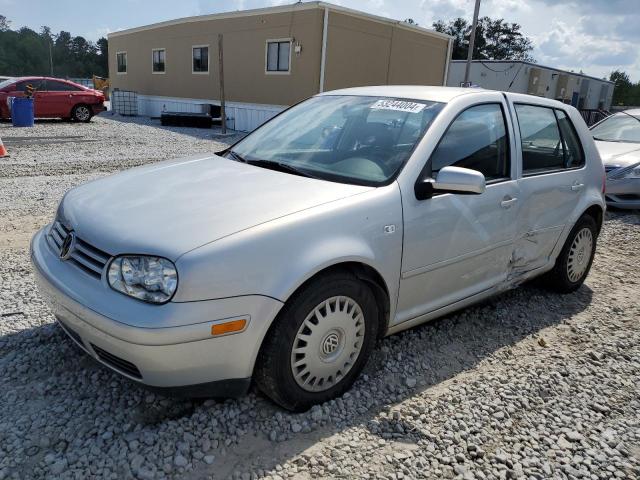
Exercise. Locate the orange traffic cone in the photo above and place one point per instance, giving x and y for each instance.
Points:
(3, 151)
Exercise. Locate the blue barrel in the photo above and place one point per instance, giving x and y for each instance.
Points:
(22, 112)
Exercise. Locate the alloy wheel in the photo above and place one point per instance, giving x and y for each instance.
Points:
(82, 113)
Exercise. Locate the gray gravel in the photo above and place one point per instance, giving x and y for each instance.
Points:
(528, 385)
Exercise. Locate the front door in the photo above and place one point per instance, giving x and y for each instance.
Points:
(20, 89)
(456, 246)
(553, 176)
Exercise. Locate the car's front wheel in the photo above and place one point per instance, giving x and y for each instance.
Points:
(319, 343)
(81, 113)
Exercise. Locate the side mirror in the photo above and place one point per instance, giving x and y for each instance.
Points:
(451, 180)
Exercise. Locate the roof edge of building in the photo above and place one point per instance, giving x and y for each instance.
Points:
(293, 7)
(578, 74)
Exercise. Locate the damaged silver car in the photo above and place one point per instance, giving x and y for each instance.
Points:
(350, 216)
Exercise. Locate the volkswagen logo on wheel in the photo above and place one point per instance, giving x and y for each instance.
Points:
(68, 245)
(330, 343)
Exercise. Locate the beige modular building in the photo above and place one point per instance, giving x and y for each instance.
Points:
(273, 58)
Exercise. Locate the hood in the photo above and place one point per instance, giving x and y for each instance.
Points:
(618, 154)
(169, 208)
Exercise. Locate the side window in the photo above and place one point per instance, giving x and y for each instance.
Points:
(573, 154)
(159, 55)
(121, 58)
(477, 139)
(278, 56)
(200, 59)
(22, 86)
(541, 141)
(53, 86)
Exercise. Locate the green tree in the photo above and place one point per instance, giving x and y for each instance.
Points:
(625, 92)
(26, 52)
(495, 39)
(4, 23)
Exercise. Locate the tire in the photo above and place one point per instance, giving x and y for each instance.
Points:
(82, 113)
(574, 262)
(343, 313)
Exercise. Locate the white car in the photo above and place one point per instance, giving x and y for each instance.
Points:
(618, 141)
(353, 215)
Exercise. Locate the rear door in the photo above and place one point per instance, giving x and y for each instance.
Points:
(552, 177)
(58, 98)
(457, 246)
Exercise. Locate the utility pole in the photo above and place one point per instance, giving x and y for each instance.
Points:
(223, 117)
(50, 56)
(472, 41)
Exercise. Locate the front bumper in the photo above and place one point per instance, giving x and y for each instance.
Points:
(98, 107)
(623, 193)
(164, 346)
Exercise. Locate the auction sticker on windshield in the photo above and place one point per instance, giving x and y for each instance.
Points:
(398, 105)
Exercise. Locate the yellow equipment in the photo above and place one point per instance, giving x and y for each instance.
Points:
(100, 83)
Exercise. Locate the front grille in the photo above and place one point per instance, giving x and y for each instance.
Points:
(83, 255)
(117, 362)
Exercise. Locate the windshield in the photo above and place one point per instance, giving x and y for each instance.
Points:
(7, 82)
(621, 127)
(350, 139)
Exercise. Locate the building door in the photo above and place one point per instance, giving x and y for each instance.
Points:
(574, 99)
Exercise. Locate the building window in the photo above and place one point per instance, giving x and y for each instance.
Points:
(200, 59)
(121, 58)
(159, 56)
(278, 56)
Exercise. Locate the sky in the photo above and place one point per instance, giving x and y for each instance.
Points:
(595, 36)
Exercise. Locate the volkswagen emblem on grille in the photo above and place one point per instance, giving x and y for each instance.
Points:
(68, 244)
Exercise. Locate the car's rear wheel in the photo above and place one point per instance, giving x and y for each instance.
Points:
(81, 113)
(319, 343)
(574, 262)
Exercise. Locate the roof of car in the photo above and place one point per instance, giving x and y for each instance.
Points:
(415, 92)
(35, 77)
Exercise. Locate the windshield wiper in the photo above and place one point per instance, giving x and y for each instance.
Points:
(236, 156)
(282, 167)
(632, 116)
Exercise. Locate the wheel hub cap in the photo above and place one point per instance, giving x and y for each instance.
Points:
(579, 254)
(327, 344)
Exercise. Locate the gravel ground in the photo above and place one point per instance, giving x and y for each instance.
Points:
(527, 385)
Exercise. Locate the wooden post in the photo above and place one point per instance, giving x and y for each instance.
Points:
(223, 116)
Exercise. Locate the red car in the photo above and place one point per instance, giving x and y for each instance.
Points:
(54, 98)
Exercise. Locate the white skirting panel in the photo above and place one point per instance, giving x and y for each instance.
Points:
(243, 117)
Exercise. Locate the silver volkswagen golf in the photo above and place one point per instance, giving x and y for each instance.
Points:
(350, 216)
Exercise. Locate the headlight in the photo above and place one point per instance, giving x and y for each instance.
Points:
(634, 173)
(151, 279)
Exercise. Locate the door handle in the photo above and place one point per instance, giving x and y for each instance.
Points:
(576, 187)
(507, 202)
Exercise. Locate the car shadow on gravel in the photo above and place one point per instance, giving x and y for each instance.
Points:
(54, 378)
